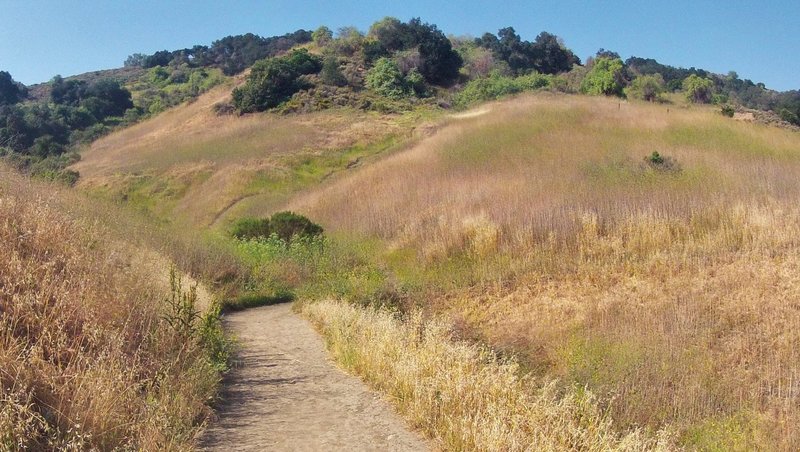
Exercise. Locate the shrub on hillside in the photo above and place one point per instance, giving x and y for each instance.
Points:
(497, 86)
(288, 224)
(698, 89)
(727, 110)
(789, 116)
(274, 80)
(247, 228)
(646, 87)
(331, 73)
(284, 225)
(606, 77)
(663, 163)
(386, 79)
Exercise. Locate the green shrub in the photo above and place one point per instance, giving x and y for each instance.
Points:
(719, 98)
(186, 320)
(606, 77)
(497, 86)
(416, 83)
(663, 163)
(698, 89)
(287, 225)
(646, 87)
(283, 225)
(247, 228)
(331, 74)
(386, 79)
(256, 300)
(273, 81)
(789, 116)
(727, 110)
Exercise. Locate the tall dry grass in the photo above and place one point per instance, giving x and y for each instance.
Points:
(534, 166)
(671, 294)
(192, 163)
(462, 395)
(87, 360)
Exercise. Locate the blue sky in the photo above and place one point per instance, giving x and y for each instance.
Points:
(758, 40)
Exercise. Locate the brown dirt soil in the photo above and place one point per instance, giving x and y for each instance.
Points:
(285, 394)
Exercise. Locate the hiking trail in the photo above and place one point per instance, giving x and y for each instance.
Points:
(285, 394)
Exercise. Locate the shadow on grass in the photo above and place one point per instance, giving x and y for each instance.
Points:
(253, 301)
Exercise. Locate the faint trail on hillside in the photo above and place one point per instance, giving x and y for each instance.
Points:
(285, 394)
(218, 216)
(472, 113)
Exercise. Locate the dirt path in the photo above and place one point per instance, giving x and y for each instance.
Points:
(285, 394)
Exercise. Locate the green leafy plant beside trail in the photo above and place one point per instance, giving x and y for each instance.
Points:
(191, 325)
(292, 260)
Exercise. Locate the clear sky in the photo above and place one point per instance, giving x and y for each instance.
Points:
(760, 40)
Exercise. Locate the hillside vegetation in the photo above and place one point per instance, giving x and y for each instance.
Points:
(395, 66)
(547, 228)
(192, 165)
(97, 350)
(639, 251)
(610, 270)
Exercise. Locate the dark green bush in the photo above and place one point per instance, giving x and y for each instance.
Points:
(331, 74)
(663, 163)
(248, 228)
(789, 116)
(255, 300)
(727, 110)
(284, 225)
(273, 81)
(288, 224)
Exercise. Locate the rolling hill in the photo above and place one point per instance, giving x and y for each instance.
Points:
(642, 251)
(520, 251)
(196, 165)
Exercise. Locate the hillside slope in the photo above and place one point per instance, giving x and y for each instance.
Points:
(192, 163)
(548, 228)
(645, 252)
(90, 355)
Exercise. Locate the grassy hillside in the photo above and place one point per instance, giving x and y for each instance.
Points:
(192, 164)
(545, 226)
(550, 271)
(665, 285)
(97, 350)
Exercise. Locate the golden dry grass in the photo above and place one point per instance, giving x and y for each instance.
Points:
(86, 358)
(195, 164)
(671, 294)
(461, 395)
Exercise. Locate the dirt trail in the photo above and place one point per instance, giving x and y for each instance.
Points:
(285, 394)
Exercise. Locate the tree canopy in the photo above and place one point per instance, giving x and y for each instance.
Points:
(232, 54)
(606, 77)
(11, 92)
(274, 80)
(546, 54)
(646, 87)
(698, 89)
(439, 63)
